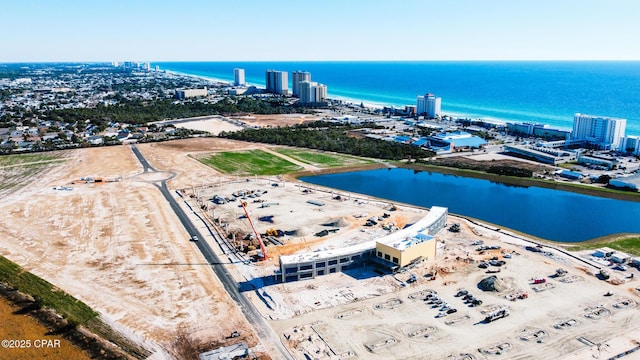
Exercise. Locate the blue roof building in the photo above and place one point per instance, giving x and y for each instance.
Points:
(420, 142)
(572, 175)
(457, 139)
(402, 139)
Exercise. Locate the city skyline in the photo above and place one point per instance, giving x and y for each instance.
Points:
(355, 30)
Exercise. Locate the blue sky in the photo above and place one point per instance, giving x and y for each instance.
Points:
(211, 30)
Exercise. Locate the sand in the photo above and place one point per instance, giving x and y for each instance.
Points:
(211, 124)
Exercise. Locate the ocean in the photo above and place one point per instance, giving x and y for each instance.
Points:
(547, 92)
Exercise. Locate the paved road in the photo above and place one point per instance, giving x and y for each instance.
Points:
(266, 335)
(143, 161)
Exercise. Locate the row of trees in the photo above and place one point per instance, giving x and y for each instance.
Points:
(140, 112)
(491, 167)
(330, 137)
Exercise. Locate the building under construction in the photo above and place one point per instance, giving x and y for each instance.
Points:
(393, 251)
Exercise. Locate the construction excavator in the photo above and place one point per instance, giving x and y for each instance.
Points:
(263, 249)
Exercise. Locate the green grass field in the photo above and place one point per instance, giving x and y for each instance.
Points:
(252, 162)
(322, 159)
(18, 170)
(629, 245)
(64, 304)
(11, 160)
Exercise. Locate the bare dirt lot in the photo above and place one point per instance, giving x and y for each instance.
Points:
(119, 248)
(212, 124)
(276, 119)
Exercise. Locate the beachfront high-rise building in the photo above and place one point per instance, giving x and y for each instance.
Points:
(277, 82)
(321, 93)
(238, 77)
(296, 78)
(604, 132)
(421, 105)
(312, 92)
(429, 105)
(304, 92)
(630, 144)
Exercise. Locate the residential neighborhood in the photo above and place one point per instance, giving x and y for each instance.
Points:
(33, 96)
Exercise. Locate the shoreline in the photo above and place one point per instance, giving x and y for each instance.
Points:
(511, 180)
(373, 105)
(516, 234)
(508, 180)
(490, 177)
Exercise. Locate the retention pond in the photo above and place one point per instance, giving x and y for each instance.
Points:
(549, 214)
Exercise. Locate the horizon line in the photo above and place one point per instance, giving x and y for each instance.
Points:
(311, 61)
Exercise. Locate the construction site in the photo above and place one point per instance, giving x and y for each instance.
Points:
(487, 292)
(470, 291)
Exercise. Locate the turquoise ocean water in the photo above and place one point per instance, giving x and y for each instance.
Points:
(544, 92)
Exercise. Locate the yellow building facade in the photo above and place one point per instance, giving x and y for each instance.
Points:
(408, 251)
(414, 243)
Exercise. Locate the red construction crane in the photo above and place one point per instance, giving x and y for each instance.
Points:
(262, 248)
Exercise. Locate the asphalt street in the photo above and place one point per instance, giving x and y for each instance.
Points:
(260, 325)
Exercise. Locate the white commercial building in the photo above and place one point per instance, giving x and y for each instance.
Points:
(408, 244)
(238, 76)
(277, 82)
(628, 182)
(542, 154)
(604, 132)
(188, 93)
(312, 92)
(429, 105)
(296, 78)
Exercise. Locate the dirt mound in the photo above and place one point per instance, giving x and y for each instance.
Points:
(302, 231)
(341, 222)
(494, 283)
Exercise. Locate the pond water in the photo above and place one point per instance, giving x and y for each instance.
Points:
(549, 214)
